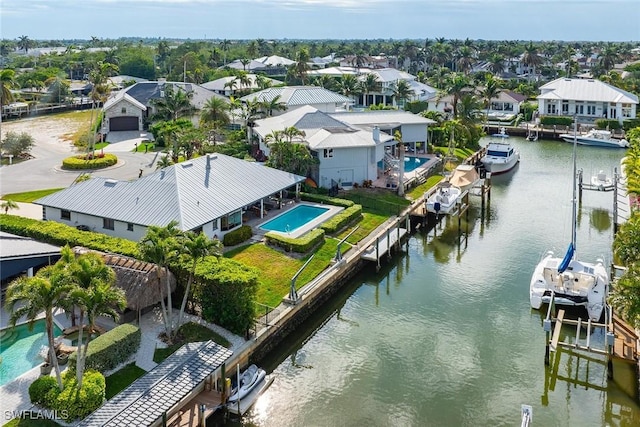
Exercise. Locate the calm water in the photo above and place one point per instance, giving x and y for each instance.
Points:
(443, 335)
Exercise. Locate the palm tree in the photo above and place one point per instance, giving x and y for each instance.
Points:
(348, 85)
(159, 247)
(466, 59)
(402, 91)
(224, 46)
(302, 64)
(8, 204)
(99, 92)
(496, 64)
(274, 104)
(456, 84)
(35, 295)
(25, 43)
(176, 103)
(608, 58)
(164, 162)
(7, 81)
(215, 111)
(194, 248)
(490, 91)
(625, 296)
(369, 84)
(531, 57)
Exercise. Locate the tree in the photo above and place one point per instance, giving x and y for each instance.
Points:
(36, 295)
(99, 92)
(496, 64)
(289, 156)
(17, 144)
(402, 91)
(25, 43)
(348, 85)
(194, 248)
(369, 84)
(268, 106)
(456, 84)
(7, 81)
(174, 104)
(490, 91)
(531, 57)
(215, 111)
(625, 295)
(301, 65)
(8, 204)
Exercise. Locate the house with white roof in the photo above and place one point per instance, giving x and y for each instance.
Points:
(210, 194)
(131, 107)
(228, 86)
(587, 99)
(348, 146)
(505, 106)
(298, 96)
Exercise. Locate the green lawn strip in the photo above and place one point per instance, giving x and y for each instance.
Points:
(118, 381)
(189, 332)
(417, 192)
(100, 145)
(30, 196)
(277, 268)
(35, 422)
(382, 202)
(370, 221)
(460, 153)
(141, 147)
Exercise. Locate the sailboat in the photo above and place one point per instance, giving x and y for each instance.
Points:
(569, 281)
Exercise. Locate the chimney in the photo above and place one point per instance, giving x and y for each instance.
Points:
(376, 134)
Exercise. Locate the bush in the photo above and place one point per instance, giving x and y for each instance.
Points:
(416, 106)
(110, 349)
(80, 403)
(608, 124)
(317, 198)
(237, 236)
(39, 388)
(342, 219)
(97, 161)
(17, 144)
(556, 121)
(527, 109)
(59, 234)
(301, 244)
(631, 124)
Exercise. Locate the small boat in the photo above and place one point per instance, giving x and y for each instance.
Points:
(601, 182)
(500, 157)
(596, 138)
(502, 133)
(526, 412)
(532, 137)
(249, 379)
(444, 199)
(465, 177)
(567, 280)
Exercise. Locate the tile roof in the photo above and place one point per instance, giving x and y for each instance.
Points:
(189, 192)
(146, 399)
(585, 90)
(298, 95)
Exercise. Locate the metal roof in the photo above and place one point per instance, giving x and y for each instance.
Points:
(381, 118)
(123, 95)
(12, 246)
(341, 138)
(221, 83)
(298, 95)
(157, 392)
(144, 92)
(585, 90)
(275, 61)
(190, 192)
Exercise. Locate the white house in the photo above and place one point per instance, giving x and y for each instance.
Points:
(210, 194)
(588, 99)
(228, 86)
(298, 96)
(505, 106)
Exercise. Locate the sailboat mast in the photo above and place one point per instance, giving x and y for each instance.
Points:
(574, 201)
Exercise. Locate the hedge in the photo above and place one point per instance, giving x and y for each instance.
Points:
(60, 234)
(301, 244)
(80, 162)
(608, 124)
(111, 348)
(318, 198)
(556, 120)
(342, 219)
(39, 388)
(629, 124)
(237, 236)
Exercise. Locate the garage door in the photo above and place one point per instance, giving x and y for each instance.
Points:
(123, 123)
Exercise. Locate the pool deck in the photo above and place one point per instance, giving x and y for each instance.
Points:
(390, 179)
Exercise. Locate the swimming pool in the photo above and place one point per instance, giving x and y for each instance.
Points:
(293, 219)
(411, 163)
(22, 349)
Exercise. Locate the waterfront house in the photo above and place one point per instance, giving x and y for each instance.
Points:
(587, 99)
(212, 194)
(229, 86)
(505, 106)
(298, 96)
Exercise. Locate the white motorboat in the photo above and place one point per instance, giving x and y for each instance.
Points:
(601, 182)
(444, 199)
(248, 380)
(502, 133)
(500, 157)
(596, 138)
(465, 177)
(569, 281)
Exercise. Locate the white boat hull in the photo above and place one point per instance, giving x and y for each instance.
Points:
(498, 166)
(500, 157)
(443, 201)
(599, 139)
(249, 379)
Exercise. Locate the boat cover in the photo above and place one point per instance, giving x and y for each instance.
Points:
(567, 258)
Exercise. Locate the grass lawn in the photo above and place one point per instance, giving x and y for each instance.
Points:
(149, 147)
(370, 221)
(31, 423)
(377, 201)
(460, 153)
(189, 332)
(30, 196)
(118, 381)
(99, 146)
(277, 268)
(417, 192)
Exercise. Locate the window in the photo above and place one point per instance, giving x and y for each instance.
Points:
(626, 110)
(108, 224)
(579, 108)
(129, 226)
(231, 221)
(64, 214)
(328, 152)
(565, 107)
(214, 224)
(551, 108)
(591, 110)
(124, 110)
(508, 106)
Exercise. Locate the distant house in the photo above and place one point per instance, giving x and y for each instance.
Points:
(270, 65)
(208, 194)
(298, 96)
(587, 99)
(367, 61)
(228, 86)
(348, 146)
(505, 106)
(131, 107)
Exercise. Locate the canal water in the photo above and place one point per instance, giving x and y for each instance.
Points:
(443, 334)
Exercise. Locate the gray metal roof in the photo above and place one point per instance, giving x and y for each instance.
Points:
(298, 95)
(12, 246)
(144, 92)
(189, 192)
(372, 118)
(147, 398)
(585, 90)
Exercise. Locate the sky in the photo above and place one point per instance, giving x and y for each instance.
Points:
(568, 20)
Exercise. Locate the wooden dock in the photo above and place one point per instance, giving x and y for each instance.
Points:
(383, 244)
(625, 346)
(191, 413)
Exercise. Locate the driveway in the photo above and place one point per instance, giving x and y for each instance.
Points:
(124, 141)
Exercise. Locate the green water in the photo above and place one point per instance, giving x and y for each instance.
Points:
(22, 349)
(444, 335)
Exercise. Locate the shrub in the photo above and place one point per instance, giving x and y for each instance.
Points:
(631, 124)
(237, 236)
(17, 144)
(111, 348)
(556, 120)
(301, 244)
(416, 106)
(39, 388)
(342, 219)
(59, 234)
(608, 124)
(97, 161)
(318, 198)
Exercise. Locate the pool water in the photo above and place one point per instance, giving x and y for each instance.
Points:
(294, 219)
(411, 163)
(21, 349)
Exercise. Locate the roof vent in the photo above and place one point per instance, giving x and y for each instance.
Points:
(186, 164)
(591, 80)
(110, 182)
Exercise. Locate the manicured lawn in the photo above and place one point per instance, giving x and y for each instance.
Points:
(277, 268)
(30, 196)
(118, 381)
(31, 423)
(378, 201)
(149, 147)
(99, 146)
(369, 222)
(460, 153)
(189, 332)
(417, 192)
